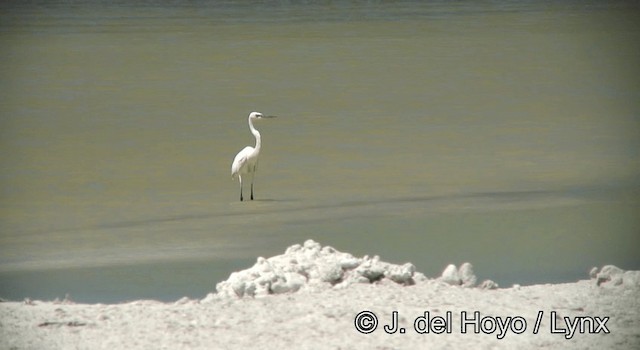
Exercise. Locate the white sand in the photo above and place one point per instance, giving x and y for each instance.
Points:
(301, 300)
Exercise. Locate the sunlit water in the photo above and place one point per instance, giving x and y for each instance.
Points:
(507, 135)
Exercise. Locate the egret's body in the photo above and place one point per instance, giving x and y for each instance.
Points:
(246, 161)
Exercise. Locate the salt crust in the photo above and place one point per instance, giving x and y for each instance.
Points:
(312, 304)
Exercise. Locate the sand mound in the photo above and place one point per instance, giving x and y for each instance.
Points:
(612, 276)
(311, 266)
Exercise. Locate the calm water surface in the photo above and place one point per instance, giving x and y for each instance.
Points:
(507, 135)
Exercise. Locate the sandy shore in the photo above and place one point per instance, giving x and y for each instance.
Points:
(315, 297)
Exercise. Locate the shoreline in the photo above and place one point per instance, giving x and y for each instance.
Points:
(328, 308)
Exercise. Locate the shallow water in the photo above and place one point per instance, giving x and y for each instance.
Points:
(506, 135)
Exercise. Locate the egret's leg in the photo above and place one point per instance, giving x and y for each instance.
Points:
(240, 178)
(252, 177)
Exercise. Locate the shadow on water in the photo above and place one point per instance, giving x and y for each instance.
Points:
(268, 206)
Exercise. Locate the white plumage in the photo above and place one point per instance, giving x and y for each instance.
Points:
(246, 161)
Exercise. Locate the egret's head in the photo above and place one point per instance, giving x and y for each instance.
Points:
(258, 115)
(255, 115)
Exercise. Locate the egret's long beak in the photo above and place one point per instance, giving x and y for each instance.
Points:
(269, 116)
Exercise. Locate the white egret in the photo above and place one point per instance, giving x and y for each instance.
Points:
(246, 161)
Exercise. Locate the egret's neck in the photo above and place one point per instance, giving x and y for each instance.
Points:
(256, 134)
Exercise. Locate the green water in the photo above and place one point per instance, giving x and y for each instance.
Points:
(506, 135)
